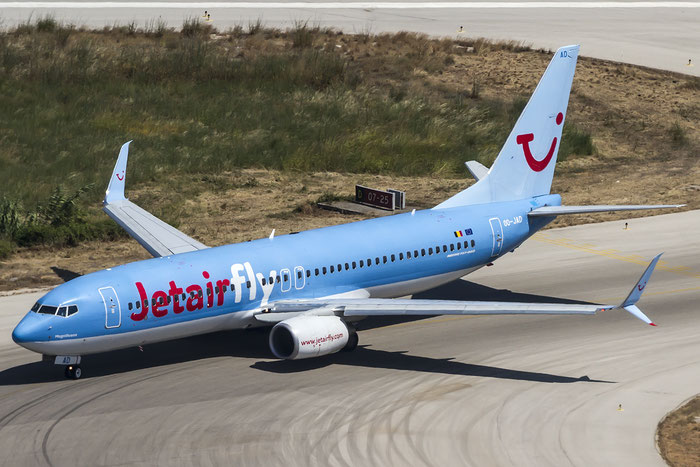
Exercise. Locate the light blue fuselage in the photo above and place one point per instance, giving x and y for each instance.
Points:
(108, 317)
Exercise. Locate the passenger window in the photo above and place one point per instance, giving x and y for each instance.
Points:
(332, 269)
(369, 262)
(415, 253)
(401, 256)
(324, 270)
(354, 265)
(279, 278)
(131, 306)
(299, 274)
(347, 266)
(62, 311)
(393, 258)
(422, 251)
(138, 304)
(145, 302)
(444, 248)
(452, 247)
(376, 260)
(473, 243)
(263, 281)
(459, 245)
(408, 255)
(384, 259)
(340, 267)
(247, 283)
(430, 251)
(286, 277)
(308, 273)
(72, 309)
(316, 271)
(154, 302)
(362, 263)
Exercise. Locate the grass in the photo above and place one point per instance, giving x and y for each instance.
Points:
(197, 101)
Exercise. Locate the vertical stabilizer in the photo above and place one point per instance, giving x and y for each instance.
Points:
(525, 165)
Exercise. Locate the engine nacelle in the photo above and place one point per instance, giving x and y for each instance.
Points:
(308, 336)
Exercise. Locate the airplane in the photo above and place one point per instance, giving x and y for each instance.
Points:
(313, 287)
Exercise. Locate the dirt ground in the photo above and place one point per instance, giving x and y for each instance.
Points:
(678, 435)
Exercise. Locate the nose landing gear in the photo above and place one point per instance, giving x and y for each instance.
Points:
(73, 372)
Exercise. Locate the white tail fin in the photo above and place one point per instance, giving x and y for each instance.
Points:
(525, 165)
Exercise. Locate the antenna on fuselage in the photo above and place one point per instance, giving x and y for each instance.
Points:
(272, 234)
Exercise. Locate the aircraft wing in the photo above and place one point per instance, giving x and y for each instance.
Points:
(156, 236)
(562, 210)
(362, 307)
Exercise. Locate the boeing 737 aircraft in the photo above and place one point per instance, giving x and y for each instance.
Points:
(312, 286)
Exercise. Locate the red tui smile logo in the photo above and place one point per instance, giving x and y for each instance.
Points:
(120, 176)
(524, 140)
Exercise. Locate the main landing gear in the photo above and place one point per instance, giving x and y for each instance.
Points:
(353, 340)
(73, 372)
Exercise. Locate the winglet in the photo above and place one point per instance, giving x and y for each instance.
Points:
(115, 190)
(629, 303)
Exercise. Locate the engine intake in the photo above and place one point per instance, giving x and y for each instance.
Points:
(308, 336)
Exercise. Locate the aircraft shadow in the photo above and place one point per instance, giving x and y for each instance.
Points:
(253, 344)
(363, 356)
(65, 274)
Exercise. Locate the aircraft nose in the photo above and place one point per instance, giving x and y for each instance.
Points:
(28, 330)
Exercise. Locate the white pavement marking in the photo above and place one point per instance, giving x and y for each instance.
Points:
(349, 5)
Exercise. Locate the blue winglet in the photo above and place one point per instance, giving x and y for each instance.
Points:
(637, 290)
(115, 190)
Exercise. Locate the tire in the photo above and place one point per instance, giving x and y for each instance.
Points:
(353, 340)
(73, 372)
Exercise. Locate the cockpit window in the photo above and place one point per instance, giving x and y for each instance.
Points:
(64, 311)
(47, 310)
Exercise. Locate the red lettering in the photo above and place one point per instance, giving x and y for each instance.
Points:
(175, 291)
(161, 300)
(144, 300)
(196, 302)
(220, 294)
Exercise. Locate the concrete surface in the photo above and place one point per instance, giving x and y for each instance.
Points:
(658, 34)
(443, 391)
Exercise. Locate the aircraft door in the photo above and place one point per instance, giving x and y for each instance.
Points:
(113, 310)
(299, 279)
(497, 235)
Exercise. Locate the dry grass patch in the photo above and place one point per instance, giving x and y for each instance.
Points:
(678, 435)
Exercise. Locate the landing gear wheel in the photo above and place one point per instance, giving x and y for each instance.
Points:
(353, 340)
(73, 372)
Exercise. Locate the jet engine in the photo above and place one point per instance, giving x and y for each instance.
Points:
(310, 336)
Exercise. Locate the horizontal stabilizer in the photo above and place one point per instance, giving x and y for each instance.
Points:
(549, 211)
(156, 236)
(477, 169)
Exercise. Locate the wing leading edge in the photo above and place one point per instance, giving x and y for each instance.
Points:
(156, 236)
(363, 307)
